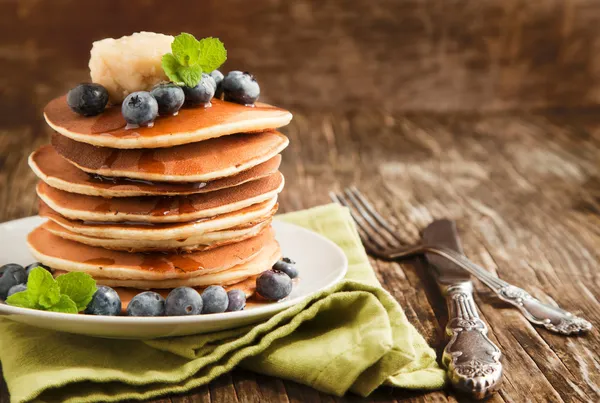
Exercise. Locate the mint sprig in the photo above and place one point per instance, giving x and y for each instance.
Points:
(189, 58)
(69, 293)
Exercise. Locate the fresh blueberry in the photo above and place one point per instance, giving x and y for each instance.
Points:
(15, 289)
(34, 265)
(139, 108)
(240, 87)
(237, 300)
(218, 77)
(274, 285)
(105, 302)
(212, 81)
(286, 266)
(202, 93)
(214, 299)
(183, 301)
(88, 99)
(12, 274)
(148, 303)
(169, 97)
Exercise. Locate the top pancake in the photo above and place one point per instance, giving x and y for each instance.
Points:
(197, 162)
(190, 125)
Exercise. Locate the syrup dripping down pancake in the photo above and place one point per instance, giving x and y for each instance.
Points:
(163, 231)
(194, 243)
(198, 162)
(161, 209)
(63, 254)
(189, 126)
(57, 172)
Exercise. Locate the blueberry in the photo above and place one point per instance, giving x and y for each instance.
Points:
(169, 97)
(34, 265)
(286, 266)
(214, 299)
(105, 302)
(237, 300)
(148, 303)
(274, 285)
(15, 289)
(218, 77)
(12, 274)
(183, 301)
(212, 81)
(88, 99)
(202, 93)
(240, 87)
(139, 108)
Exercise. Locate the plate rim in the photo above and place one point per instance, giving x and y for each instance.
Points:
(274, 308)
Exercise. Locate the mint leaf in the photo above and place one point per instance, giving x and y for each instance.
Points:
(190, 58)
(170, 65)
(21, 299)
(185, 49)
(42, 290)
(64, 305)
(79, 287)
(212, 54)
(179, 74)
(190, 75)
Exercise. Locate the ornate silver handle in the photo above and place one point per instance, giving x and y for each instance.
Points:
(535, 311)
(472, 359)
(552, 318)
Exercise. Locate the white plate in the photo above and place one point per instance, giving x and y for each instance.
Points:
(321, 264)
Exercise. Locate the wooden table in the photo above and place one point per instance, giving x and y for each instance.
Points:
(483, 113)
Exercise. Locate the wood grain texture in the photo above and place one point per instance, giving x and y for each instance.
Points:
(405, 54)
(482, 112)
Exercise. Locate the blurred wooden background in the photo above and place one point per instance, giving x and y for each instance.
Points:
(484, 111)
(415, 55)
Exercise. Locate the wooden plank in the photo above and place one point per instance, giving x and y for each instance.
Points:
(406, 55)
(511, 222)
(523, 186)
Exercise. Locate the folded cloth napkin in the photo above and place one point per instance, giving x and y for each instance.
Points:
(351, 337)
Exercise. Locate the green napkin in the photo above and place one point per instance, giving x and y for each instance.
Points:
(352, 337)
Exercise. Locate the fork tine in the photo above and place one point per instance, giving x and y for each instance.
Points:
(374, 244)
(352, 190)
(385, 232)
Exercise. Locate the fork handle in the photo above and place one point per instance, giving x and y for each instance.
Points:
(472, 359)
(553, 318)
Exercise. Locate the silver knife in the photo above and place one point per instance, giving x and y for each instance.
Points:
(470, 357)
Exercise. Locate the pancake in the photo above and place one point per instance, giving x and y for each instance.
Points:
(57, 172)
(193, 243)
(63, 254)
(197, 162)
(190, 125)
(160, 209)
(163, 231)
(260, 263)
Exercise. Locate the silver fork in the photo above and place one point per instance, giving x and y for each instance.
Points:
(380, 240)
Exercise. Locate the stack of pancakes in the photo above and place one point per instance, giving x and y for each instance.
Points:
(187, 202)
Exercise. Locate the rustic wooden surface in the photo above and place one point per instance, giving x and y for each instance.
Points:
(483, 112)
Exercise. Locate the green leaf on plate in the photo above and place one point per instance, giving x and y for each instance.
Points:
(79, 287)
(64, 305)
(42, 290)
(21, 299)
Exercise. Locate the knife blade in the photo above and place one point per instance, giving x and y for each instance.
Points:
(471, 358)
(444, 233)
